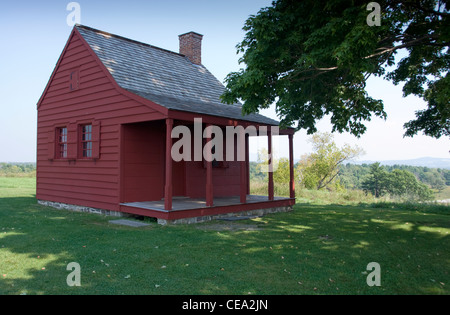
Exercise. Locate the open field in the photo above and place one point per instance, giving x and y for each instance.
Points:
(316, 249)
(444, 194)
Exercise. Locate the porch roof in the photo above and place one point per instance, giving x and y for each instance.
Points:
(207, 108)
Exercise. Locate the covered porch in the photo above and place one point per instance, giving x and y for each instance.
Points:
(195, 188)
(244, 174)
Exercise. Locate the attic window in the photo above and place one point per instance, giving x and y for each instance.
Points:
(74, 79)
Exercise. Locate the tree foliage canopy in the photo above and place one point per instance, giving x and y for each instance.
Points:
(395, 183)
(313, 58)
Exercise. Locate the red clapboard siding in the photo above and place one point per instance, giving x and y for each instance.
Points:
(226, 181)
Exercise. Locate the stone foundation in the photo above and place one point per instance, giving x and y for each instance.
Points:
(75, 208)
(257, 212)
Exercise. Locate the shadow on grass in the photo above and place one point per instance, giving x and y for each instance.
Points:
(330, 246)
(313, 250)
(36, 244)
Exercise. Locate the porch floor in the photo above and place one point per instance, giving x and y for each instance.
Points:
(186, 203)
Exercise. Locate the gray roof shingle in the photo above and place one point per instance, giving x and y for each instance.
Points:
(163, 77)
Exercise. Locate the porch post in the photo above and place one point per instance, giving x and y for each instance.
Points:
(247, 162)
(168, 185)
(269, 137)
(243, 167)
(291, 167)
(209, 183)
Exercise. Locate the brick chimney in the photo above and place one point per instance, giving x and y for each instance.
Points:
(191, 46)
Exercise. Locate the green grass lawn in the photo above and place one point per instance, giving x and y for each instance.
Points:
(316, 249)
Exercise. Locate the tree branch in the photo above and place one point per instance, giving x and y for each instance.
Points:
(413, 42)
(379, 51)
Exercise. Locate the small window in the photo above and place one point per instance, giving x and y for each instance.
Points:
(86, 141)
(215, 163)
(62, 142)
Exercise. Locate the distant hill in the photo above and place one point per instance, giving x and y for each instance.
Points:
(423, 161)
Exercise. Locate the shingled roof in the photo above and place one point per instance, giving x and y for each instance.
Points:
(164, 77)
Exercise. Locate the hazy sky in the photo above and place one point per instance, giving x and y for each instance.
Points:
(33, 35)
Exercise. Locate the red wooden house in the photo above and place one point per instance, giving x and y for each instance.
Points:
(104, 140)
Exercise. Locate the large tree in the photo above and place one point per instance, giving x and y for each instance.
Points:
(400, 183)
(320, 168)
(313, 58)
(375, 181)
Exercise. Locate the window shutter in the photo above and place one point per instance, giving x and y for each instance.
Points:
(72, 141)
(51, 144)
(96, 139)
